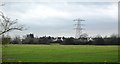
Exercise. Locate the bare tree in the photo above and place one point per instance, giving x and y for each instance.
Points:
(84, 35)
(6, 24)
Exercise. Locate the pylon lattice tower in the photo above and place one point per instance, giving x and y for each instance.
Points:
(78, 28)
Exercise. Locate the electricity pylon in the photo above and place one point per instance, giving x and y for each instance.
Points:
(78, 28)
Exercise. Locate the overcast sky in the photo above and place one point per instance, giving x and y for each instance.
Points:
(56, 18)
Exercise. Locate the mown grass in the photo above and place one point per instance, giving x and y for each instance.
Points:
(60, 53)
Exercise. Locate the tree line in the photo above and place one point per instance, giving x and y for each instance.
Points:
(30, 39)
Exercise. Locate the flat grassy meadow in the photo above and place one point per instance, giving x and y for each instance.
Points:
(59, 53)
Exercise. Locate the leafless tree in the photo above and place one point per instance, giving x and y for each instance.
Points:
(84, 35)
(6, 24)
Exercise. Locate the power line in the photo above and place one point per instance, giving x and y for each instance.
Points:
(78, 28)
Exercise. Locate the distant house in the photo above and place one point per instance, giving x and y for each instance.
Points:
(57, 40)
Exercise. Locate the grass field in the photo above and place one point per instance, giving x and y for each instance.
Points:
(59, 53)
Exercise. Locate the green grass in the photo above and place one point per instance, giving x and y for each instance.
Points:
(59, 53)
(0, 52)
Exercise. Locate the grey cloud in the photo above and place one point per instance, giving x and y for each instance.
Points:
(97, 17)
(61, 1)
